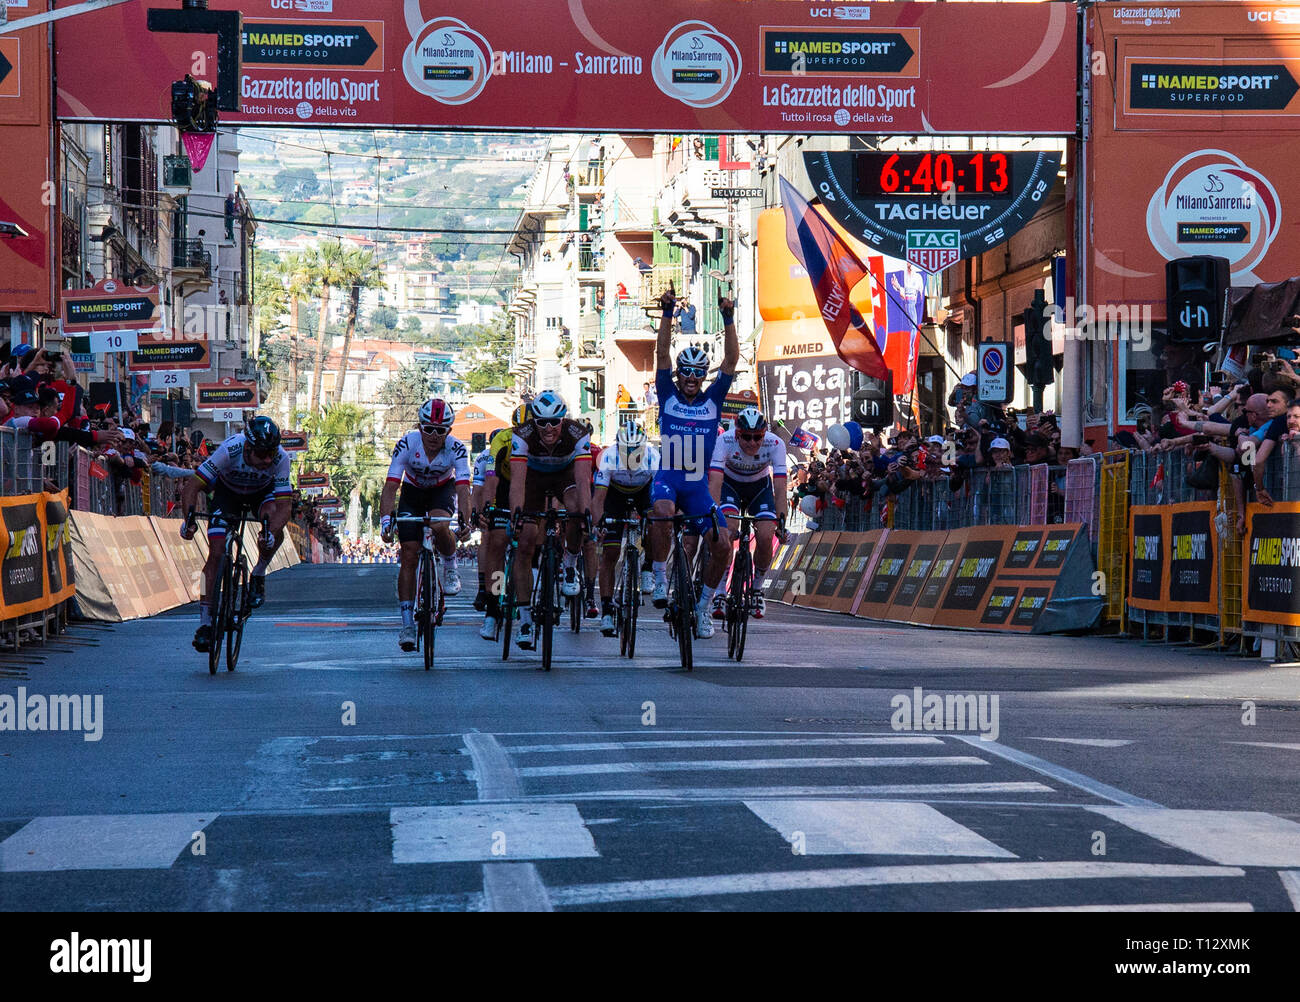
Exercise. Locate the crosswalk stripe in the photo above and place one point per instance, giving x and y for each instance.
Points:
(603, 746)
(489, 832)
(916, 791)
(1291, 882)
(1285, 746)
(873, 876)
(1238, 838)
(864, 827)
(742, 765)
(1088, 742)
(101, 842)
(1058, 772)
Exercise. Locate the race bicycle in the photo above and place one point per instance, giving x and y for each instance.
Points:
(231, 602)
(680, 613)
(627, 582)
(548, 601)
(430, 602)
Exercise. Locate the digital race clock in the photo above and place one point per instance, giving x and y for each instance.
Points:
(933, 207)
(932, 173)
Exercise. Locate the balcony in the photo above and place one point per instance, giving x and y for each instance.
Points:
(191, 267)
(655, 282)
(591, 263)
(629, 321)
(590, 352)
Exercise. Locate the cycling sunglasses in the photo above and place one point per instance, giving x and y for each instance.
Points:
(548, 422)
(692, 371)
(434, 429)
(752, 438)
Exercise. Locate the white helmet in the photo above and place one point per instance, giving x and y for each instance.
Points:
(751, 419)
(694, 356)
(631, 436)
(549, 405)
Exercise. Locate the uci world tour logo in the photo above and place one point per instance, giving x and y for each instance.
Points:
(449, 61)
(696, 64)
(1212, 203)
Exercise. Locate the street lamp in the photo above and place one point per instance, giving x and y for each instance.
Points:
(8, 229)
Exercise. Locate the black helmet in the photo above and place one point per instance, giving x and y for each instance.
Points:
(262, 434)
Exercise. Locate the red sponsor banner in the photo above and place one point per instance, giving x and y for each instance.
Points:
(765, 66)
(1196, 136)
(226, 394)
(27, 162)
(110, 306)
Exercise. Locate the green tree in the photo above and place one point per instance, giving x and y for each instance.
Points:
(488, 350)
(361, 270)
(383, 320)
(341, 443)
(404, 392)
(412, 328)
(325, 263)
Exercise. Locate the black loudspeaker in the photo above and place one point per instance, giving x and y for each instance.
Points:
(873, 402)
(1196, 298)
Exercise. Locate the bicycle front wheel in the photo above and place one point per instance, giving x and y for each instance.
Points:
(506, 604)
(632, 595)
(428, 606)
(738, 605)
(238, 605)
(685, 609)
(545, 602)
(218, 602)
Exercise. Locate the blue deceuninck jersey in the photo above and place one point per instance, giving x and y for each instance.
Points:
(689, 431)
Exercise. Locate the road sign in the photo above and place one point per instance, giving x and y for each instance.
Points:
(736, 193)
(227, 415)
(103, 342)
(992, 372)
(168, 380)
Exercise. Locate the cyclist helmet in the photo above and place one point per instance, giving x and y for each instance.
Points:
(751, 419)
(437, 412)
(262, 434)
(522, 415)
(549, 405)
(631, 436)
(694, 356)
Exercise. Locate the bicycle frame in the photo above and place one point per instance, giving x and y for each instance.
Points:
(430, 603)
(229, 601)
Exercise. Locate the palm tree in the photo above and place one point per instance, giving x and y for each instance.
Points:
(294, 270)
(326, 267)
(363, 271)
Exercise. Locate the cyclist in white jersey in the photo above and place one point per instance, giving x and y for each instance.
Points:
(248, 472)
(622, 482)
(432, 470)
(747, 475)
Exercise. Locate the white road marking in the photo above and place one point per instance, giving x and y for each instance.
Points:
(1090, 742)
(101, 842)
(914, 791)
(579, 746)
(1058, 772)
(1173, 906)
(1291, 882)
(1237, 838)
(879, 828)
(873, 876)
(489, 832)
(1268, 744)
(744, 765)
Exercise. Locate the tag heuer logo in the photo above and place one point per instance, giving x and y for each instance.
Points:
(933, 250)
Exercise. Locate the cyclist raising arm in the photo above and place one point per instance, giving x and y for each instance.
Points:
(432, 470)
(550, 457)
(248, 472)
(689, 417)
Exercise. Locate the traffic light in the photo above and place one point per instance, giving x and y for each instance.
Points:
(193, 107)
(195, 19)
(1038, 343)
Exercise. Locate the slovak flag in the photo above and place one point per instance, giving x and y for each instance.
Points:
(834, 270)
(806, 440)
